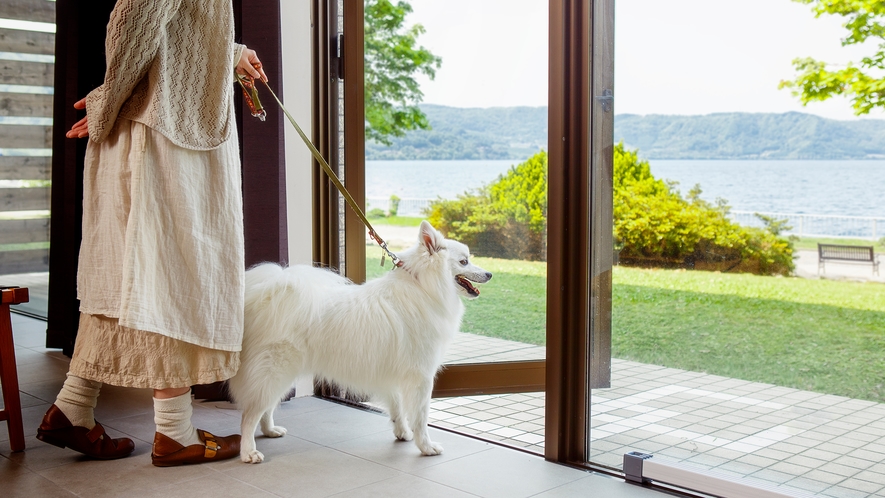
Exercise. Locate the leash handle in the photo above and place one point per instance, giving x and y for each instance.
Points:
(250, 93)
(319, 157)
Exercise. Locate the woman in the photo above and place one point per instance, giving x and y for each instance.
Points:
(160, 277)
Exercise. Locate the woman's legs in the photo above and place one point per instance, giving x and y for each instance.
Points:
(77, 400)
(172, 414)
(70, 422)
(177, 442)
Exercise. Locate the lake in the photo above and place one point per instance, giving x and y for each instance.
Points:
(843, 188)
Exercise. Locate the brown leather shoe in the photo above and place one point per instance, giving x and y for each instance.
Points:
(169, 453)
(57, 429)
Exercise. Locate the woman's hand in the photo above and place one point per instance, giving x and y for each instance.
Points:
(80, 128)
(249, 64)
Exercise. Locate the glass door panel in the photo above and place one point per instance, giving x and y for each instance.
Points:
(732, 351)
(479, 175)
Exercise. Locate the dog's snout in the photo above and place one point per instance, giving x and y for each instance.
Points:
(488, 275)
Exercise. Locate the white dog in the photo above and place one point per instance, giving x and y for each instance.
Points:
(385, 338)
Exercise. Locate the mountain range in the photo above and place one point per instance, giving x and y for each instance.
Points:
(518, 132)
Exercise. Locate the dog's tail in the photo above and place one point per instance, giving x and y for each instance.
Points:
(262, 272)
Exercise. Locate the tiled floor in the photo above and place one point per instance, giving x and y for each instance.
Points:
(331, 450)
(828, 445)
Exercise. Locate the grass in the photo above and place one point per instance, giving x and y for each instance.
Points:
(397, 221)
(817, 335)
(512, 306)
(803, 243)
(24, 246)
(810, 243)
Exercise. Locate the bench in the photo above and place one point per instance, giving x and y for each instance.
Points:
(846, 254)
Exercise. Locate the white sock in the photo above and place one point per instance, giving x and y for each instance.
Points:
(77, 400)
(173, 419)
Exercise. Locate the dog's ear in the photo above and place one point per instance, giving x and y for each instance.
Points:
(429, 237)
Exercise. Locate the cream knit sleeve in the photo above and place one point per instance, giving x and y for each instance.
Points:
(238, 52)
(135, 31)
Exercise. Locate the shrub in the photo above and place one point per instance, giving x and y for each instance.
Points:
(376, 213)
(506, 219)
(394, 205)
(653, 224)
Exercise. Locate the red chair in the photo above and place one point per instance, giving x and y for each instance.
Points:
(12, 414)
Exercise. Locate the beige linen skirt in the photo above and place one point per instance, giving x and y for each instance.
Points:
(161, 270)
(110, 353)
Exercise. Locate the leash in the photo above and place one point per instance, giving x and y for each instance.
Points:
(250, 91)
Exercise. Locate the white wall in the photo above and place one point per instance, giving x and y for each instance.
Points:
(296, 38)
(296, 28)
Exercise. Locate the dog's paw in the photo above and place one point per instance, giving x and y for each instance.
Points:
(253, 456)
(402, 432)
(275, 431)
(430, 448)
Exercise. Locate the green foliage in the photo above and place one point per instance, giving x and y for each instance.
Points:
(521, 195)
(36, 183)
(655, 226)
(392, 60)
(394, 205)
(864, 84)
(506, 219)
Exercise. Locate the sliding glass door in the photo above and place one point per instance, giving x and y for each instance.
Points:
(520, 369)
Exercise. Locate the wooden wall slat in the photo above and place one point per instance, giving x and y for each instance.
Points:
(28, 42)
(15, 136)
(28, 10)
(24, 199)
(25, 168)
(24, 231)
(26, 105)
(26, 73)
(25, 137)
(33, 260)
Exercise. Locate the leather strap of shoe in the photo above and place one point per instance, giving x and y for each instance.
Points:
(212, 445)
(95, 433)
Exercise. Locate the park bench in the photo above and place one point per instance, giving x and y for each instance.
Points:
(846, 254)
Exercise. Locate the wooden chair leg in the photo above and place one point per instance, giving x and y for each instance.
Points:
(12, 412)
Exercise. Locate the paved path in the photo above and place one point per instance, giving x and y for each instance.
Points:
(397, 238)
(806, 267)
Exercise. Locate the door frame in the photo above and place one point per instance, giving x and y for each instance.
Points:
(580, 145)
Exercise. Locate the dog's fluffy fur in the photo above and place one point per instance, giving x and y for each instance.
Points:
(385, 338)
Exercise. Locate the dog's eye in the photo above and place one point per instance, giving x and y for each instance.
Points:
(463, 262)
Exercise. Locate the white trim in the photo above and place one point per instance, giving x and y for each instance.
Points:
(711, 482)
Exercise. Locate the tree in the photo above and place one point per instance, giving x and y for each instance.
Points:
(392, 62)
(864, 84)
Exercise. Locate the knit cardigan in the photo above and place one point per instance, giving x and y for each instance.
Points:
(170, 66)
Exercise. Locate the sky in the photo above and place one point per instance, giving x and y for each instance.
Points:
(685, 57)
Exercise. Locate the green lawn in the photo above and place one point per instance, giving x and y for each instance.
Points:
(810, 243)
(397, 221)
(819, 335)
(24, 246)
